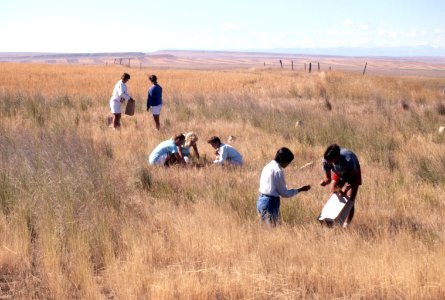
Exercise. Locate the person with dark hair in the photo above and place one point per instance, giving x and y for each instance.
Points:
(168, 152)
(342, 171)
(154, 99)
(273, 186)
(225, 154)
(120, 94)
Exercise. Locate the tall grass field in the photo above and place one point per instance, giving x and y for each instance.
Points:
(83, 215)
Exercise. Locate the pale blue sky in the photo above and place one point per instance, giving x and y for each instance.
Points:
(146, 25)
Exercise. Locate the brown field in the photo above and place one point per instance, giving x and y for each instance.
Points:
(82, 215)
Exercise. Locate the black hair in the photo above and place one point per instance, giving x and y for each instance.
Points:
(179, 137)
(214, 140)
(284, 156)
(153, 78)
(332, 152)
(125, 76)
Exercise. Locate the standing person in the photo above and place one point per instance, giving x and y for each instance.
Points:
(154, 99)
(168, 152)
(226, 154)
(190, 142)
(119, 95)
(273, 185)
(342, 171)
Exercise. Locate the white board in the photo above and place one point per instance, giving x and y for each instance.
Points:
(336, 209)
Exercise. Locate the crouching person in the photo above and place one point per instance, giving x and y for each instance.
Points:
(342, 173)
(168, 152)
(225, 154)
(273, 186)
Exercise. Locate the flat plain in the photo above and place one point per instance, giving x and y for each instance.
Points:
(83, 216)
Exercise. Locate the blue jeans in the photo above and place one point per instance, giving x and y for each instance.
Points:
(269, 209)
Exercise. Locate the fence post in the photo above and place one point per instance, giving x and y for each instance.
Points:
(318, 67)
(310, 67)
(281, 63)
(364, 70)
(292, 64)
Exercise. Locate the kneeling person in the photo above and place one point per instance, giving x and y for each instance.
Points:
(226, 154)
(168, 152)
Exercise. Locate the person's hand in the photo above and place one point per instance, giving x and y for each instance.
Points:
(346, 188)
(325, 182)
(304, 188)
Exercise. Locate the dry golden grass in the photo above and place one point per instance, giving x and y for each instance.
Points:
(83, 216)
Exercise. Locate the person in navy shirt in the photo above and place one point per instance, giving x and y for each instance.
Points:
(342, 171)
(154, 99)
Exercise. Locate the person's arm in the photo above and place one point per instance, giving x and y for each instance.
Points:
(222, 156)
(280, 185)
(122, 92)
(179, 155)
(327, 174)
(149, 99)
(327, 179)
(333, 186)
(350, 191)
(195, 149)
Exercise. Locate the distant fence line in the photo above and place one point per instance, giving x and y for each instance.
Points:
(306, 66)
(126, 61)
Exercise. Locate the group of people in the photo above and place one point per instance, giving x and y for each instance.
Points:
(177, 150)
(341, 172)
(120, 95)
(341, 166)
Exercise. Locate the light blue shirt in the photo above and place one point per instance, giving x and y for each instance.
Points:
(185, 150)
(228, 154)
(166, 147)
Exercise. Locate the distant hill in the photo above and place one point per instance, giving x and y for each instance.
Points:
(290, 60)
(417, 51)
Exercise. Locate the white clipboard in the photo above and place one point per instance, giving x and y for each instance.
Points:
(335, 210)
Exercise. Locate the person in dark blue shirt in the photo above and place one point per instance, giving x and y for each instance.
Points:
(342, 172)
(154, 99)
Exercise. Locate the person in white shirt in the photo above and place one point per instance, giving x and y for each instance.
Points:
(273, 185)
(119, 95)
(226, 154)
